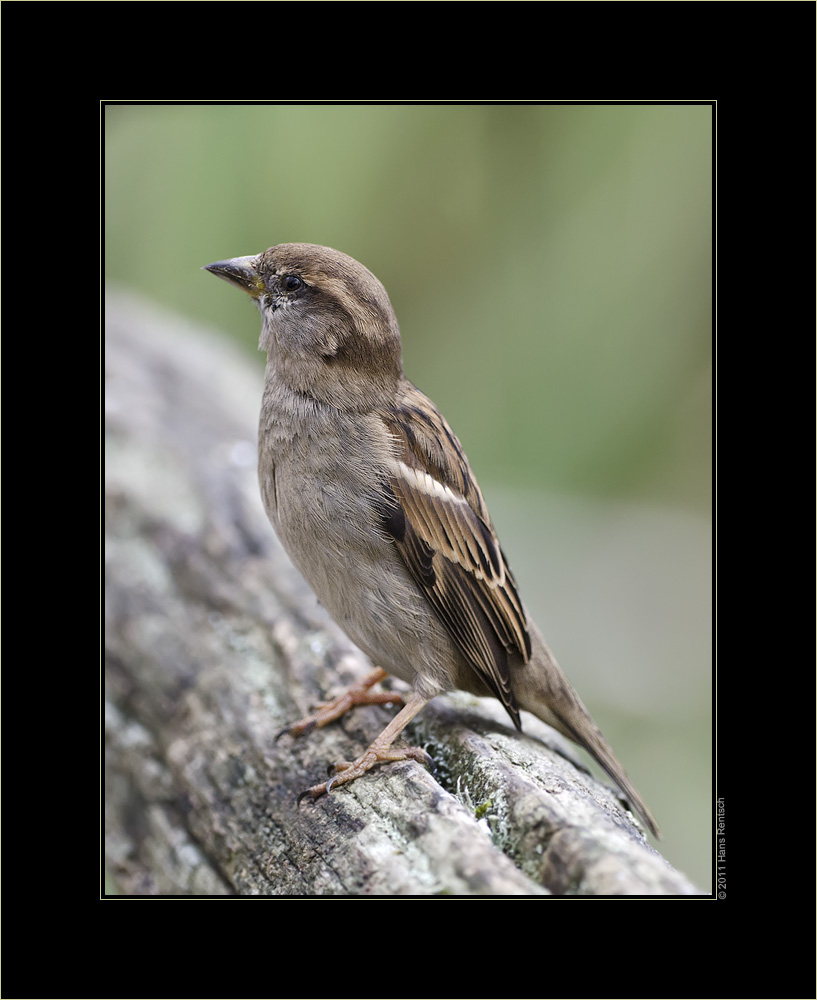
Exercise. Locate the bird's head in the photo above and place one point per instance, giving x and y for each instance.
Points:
(328, 326)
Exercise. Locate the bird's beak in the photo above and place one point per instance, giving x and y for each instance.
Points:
(239, 271)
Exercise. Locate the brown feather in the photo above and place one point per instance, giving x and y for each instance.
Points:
(449, 545)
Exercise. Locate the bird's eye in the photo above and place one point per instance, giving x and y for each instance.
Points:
(292, 283)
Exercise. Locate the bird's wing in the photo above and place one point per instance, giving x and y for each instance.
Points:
(444, 534)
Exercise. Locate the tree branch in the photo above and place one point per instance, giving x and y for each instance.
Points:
(213, 642)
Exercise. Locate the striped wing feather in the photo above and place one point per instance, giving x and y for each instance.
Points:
(444, 534)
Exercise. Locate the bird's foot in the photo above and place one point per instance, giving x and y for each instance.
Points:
(381, 751)
(328, 711)
(346, 771)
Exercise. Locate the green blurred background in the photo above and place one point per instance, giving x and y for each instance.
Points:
(550, 266)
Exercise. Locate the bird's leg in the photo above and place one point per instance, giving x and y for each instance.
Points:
(328, 711)
(380, 752)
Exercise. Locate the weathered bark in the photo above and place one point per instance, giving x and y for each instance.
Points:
(213, 642)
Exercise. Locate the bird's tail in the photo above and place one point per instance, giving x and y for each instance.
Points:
(541, 687)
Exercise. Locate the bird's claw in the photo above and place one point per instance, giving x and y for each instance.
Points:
(328, 711)
(314, 792)
(301, 728)
(346, 771)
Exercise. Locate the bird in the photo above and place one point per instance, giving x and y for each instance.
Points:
(374, 500)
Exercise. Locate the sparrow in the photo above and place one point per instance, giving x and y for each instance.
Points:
(372, 497)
